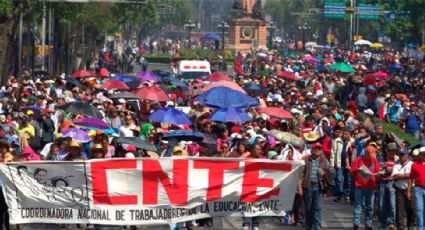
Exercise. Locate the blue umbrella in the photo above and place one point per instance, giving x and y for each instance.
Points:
(211, 36)
(322, 68)
(395, 66)
(417, 145)
(132, 82)
(255, 89)
(170, 116)
(184, 135)
(223, 97)
(411, 45)
(176, 82)
(234, 115)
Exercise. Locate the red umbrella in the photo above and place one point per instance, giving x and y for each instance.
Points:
(380, 74)
(277, 112)
(83, 73)
(329, 60)
(218, 77)
(104, 72)
(369, 79)
(151, 93)
(287, 75)
(228, 84)
(114, 84)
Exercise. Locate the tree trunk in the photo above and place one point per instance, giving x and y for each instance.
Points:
(5, 39)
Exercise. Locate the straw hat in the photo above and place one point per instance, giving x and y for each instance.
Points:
(311, 136)
(74, 144)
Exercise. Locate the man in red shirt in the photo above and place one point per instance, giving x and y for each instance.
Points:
(364, 185)
(417, 177)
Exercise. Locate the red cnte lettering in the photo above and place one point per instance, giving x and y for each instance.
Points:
(100, 182)
(215, 175)
(177, 191)
(251, 180)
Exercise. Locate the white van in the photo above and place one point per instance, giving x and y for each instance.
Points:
(192, 69)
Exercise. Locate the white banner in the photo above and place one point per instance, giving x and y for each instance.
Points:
(147, 191)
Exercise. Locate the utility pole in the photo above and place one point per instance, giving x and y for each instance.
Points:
(43, 36)
(351, 25)
(21, 19)
(50, 63)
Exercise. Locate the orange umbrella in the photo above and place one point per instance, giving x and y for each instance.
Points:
(228, 84)
(151, 93)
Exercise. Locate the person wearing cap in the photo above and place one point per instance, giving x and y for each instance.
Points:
(386, 188)
(400, 174)
(311, 186)
(417, 192)
(412, 120)
(47, 127)
(364, 188)
(25, 131)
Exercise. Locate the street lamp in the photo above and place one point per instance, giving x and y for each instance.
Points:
(189, 26)
(271, 28)
(304, 28)
(223, 26)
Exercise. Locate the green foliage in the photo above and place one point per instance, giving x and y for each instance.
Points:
(6, 8)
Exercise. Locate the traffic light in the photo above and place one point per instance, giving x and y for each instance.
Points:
(350, 10)
(357, 37)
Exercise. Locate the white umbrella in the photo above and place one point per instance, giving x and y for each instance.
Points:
(310, 44)
(363, 43)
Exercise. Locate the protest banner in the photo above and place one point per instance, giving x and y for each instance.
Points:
(147, 191)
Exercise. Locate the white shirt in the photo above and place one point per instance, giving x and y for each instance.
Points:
(127, 131)
(398, 169)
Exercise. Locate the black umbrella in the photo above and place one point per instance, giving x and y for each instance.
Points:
(184, 135)
(137, 142)
(73, 81)
(85, 109)
(255, 89)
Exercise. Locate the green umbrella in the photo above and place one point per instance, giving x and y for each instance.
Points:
(343, 67)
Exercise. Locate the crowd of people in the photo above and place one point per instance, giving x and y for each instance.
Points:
(339, 116)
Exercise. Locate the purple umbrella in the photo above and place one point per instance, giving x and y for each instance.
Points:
(147, 76)
(91, 122)
(77, 135)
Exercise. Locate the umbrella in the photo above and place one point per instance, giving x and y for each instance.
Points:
(376, 45)
(362, 43)
(83, 73)
(343, 67)
(255, 89)
(91, 122)
(309, 58)
(395, 66)
(33, 107)
(286, 137)
(411, 45)
(114, 84)
(151, 93)
(234, 115)
(124, 95)
(85, 109)
(211, 36)
(228, 84)
(322, 68)
(287, 75)
(176, 82)
(184, 135)
(329, 60)
(132, 82)
(360, 67)
(310, 44)
(137, 142)
(369, 79)
(223, 97)
(147, 76)
(73, 81)
(170, 116)
(277, 112)
(218, 77)
(103, 72)
(416, 145)
(380, 74)
(77, 135)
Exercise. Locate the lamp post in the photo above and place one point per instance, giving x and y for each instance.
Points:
(303, 28)
(189, 26)
(223, 26)
(272, 28)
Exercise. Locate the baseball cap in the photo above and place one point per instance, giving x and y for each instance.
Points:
(316, 145)
(177, 148)
(403, 152)
(392, 146)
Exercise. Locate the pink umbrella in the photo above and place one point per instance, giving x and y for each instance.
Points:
(309, 58)
(380, 74)
(228, 84)
(361, 67)
(104, 72)
(218, 77)
(151, 93)
(329, 60)
(277, 112)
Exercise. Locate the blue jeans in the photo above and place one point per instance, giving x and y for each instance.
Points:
(347, 183)
(313, 203)
(420, 203)
(365, 196)
(339, 182)
(387, 203)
